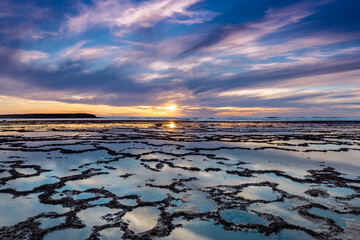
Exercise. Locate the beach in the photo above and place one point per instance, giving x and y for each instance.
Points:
(172, 179)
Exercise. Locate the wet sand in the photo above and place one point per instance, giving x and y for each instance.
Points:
(91, 179)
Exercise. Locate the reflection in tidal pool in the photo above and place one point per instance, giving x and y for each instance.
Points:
(242, 217)
(258, 193)
(179, 180)
(142, 219)
(172, 125)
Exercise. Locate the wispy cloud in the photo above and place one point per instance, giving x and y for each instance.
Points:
(19, 21)
(276, 58)
(31, 55)
(263, 51)
(79, 52)
(120, 15)
(230, 37)
(24, 56)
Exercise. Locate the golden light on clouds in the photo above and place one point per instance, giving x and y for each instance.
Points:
(12, 105)
(171, 108)
(168, 108)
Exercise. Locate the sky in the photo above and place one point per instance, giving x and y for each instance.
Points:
(179, 58)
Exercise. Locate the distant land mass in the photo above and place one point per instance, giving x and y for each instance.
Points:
(49, 115)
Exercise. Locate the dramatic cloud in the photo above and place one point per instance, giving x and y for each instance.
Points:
(290, 58)
(238, 39)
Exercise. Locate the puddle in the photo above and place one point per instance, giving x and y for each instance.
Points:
(242, 217)
(68, 234)
(51, 222)
(111, 234)
(20, 208)
(258, 193)
(283, 210)
(147, 173)
(142, 219)
(340, 219)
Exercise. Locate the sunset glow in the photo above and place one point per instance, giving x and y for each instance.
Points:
(180, 57)
(179, 119)
(171, 108)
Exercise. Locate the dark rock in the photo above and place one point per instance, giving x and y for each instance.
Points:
(159, 165)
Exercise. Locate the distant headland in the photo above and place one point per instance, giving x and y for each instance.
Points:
(49, 115)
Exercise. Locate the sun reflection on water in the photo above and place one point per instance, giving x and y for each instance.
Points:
(172, 125)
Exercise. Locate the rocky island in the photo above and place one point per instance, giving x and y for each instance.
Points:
(49, 115)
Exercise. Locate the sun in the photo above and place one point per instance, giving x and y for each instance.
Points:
(171, 107)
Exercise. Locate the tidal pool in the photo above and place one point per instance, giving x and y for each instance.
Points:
(179, 180)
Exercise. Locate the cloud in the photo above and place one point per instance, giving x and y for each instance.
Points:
(147, 77)
(23, 56)
(227, 37)
(184, 65)
(20, 20)
(262, 51)
(120, 15)
(278, 75)
(264, 93)
(13, 9)
(31, 55)
(309, 57)
(248, 39)
(113, 85)
(6, 9)
(79, 52)
(188, 21)
(266, 63)
(339, 79)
